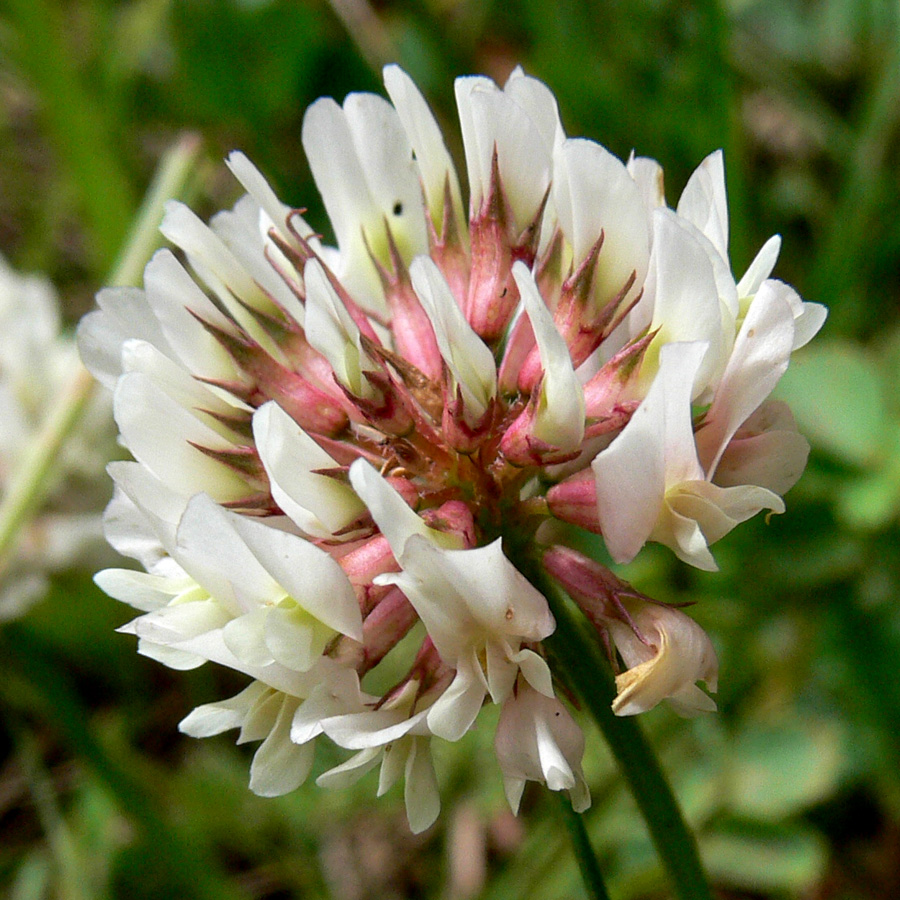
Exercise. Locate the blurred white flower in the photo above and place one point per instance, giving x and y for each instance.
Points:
(37, 363)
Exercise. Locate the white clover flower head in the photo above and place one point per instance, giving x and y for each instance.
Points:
(335, 443)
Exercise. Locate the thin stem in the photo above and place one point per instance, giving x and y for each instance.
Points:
(584, 852)
(581, 662)
(27, 486)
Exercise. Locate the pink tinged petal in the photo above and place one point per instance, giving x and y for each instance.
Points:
(767, 450)
(223, 715)
(594, 193)
(704, 204)
(466, 355)
(538, 740)
(557, 773)
(435, 165)
(560, 414)
(761, 268)
(420, 791)
(138, 406)
(758, 360)
(280, 766)
(719, 509)
(318, 504)
(655, 449)
(680, 654)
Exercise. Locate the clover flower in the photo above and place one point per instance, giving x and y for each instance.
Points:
(335, 443)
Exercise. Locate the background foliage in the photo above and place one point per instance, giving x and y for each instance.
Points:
(794, 786)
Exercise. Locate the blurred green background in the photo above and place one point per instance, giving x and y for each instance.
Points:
(794, 786)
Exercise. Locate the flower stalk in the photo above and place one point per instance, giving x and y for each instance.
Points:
(579, 660)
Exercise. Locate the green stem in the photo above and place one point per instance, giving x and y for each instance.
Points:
(580, 661)
(584, 852)
(26, 489)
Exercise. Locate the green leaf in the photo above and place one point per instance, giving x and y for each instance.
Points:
(872, 500)
(835, 394)
(765, 858)
(779, 770)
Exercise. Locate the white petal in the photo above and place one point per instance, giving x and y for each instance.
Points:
(280, 766)
(560, 417)
(654, 450)
(435, 164)
(391, 173)
(703, 201)
(686, 305)
(423, 802)
(330, 329)
(318, 504)
(648, 176)
(594, 193)
(391, 512)
(758, 360)
(176, 301)
(139, 406)
(454, 712)
(138, 589)
(311, 576)
(214, 718)
(467, 356)
(352, 770)
(245, 637)
(761, 267)
(221, 271)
